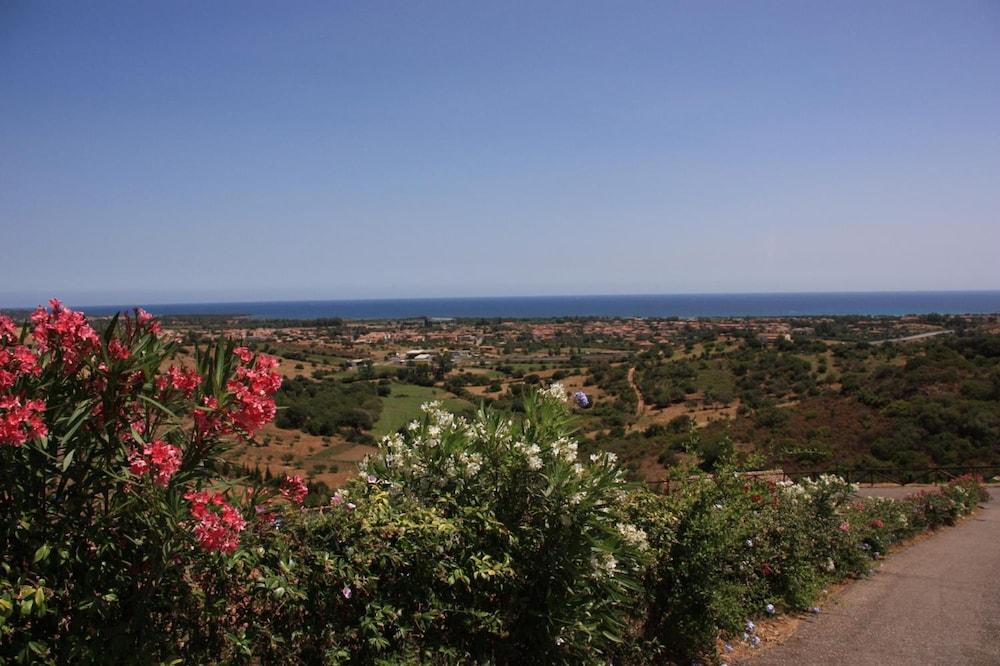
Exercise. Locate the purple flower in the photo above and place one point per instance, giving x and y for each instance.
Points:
(346, 592)
(770, 609)
(372, 478)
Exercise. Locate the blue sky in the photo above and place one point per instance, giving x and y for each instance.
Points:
(184, 151)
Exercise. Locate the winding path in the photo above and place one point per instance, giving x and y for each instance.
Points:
(936, 602)
(640, 405)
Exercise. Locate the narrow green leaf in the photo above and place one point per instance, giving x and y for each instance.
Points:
(67, 460)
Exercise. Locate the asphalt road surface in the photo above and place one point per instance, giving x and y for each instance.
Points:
(936, 602)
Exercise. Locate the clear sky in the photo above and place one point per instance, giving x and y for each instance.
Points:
(182, 151)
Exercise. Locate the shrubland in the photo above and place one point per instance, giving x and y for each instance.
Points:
(487, 539)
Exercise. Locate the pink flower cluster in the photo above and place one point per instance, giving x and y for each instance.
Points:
(294, 489)
(146, 321)
(179, 379)
(8, 332)
(158, 457)
(253, 388)
(64, 331)
(15, 362)
(252, 407)
(20, 421)
(219, 523)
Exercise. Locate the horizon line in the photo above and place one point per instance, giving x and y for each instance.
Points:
(158, 303)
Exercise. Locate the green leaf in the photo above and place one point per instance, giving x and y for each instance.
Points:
(67, 460)
(157, 404)
(42, 552)
(78, 418)
(110, 330)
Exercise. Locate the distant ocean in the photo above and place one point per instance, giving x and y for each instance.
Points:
(666, 305)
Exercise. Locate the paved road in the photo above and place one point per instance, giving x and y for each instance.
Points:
(936, 602)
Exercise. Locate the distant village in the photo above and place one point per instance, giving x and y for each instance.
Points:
(421, 340)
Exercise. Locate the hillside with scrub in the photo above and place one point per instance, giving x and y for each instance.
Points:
(893, 396)
(493, 536)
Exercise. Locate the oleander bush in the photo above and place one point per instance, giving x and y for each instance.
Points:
(108, 501)
(486, 539)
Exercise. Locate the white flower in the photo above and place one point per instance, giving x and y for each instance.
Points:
(555, 392)
(605, 565)
(633, 536)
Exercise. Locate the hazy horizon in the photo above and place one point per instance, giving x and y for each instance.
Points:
(244, 151)
(14, 302)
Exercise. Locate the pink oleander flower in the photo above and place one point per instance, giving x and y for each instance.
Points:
(147, 321)
(8, 332)
(294, 489)
(845, 527)
(209, 420)
(158, 457)
(219, 523)
(21, 422)
(253, 390)
(64, 331)
(117, 350)
(877, 523)
(16, 362)
(179, 379)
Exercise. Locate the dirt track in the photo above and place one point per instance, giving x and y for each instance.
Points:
(936, 602)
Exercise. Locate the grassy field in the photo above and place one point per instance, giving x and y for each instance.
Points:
(717, 379)
(402, 405)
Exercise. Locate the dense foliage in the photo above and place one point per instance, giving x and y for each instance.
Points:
(324, 408)
(486, 539)
(107, 500)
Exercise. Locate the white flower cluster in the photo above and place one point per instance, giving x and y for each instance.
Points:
(826, 484)
(565, 448)
(633, 536)
(604, 564)
(435, 449)
(555, 392)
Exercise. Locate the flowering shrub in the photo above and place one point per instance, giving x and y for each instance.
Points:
(104, 459)
(733, 547)
(571, 558)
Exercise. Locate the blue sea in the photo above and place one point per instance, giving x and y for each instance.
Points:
(662, 305)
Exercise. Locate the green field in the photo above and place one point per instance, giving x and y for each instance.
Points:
(717, 380)
(402, 405)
